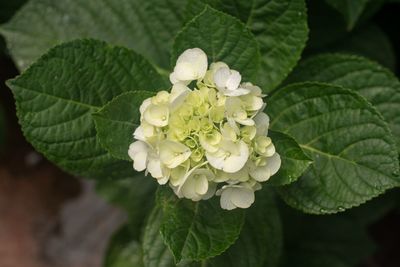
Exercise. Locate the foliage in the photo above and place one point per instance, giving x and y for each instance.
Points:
(87, 65)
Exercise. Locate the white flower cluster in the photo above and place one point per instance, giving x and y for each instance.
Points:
(209, 140)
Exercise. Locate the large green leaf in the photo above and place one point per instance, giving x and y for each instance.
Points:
(223, 38)
(280, 27)
(377, 84)
(123, 250)
(155, 252)
(56, 96)
(135, 195)
(354, 153)
(117, 120)
(197, 230)
(315, 241)
(294, 161)
(146, 26)
(260, 240)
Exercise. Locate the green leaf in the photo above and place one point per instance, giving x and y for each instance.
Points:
(123, 250)
(56, 96)
(197, 230)
(260, 242)
(117, 120)
(354, 153)
(350, 9)
(378, 85)
(294, 161)
(223, 38)
(155, 252)
(135, 195)
(260, 239)
(280, 27)
(315, 241)
(148, 26)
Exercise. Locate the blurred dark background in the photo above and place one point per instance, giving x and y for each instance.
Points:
(48, 218)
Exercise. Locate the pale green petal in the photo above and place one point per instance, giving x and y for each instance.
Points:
(157, 115)
(173, 153)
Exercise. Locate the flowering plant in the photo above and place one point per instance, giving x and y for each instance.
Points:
(216, 133)
(326, 141)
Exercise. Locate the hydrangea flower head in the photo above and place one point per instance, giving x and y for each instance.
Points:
(208, 140)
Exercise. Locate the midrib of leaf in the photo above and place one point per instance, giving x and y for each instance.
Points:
(275, 119)
(312, 149)
(251, 12)
(86, 105)
(190, 229)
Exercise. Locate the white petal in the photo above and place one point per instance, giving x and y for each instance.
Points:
(140, 161)
(212, 187)
(163, 180)
(157, 115)
(201, 186)
(274, 163)
(215, 66)
(233, 81)
(234, 163)
(179, 173)
(262, 123)
(191, 65)
(155, 168)
(173, 79)
(216, 160)
(247, 122)
(137, 147)
(178, 95)
(186, 71)
(237, 92)
(144, 105)
(270, 151)
(196, 184)
(254, 89)
(221, 76)
(139, 134)
(225, 200)
(242, 197)
(261, 173)
(177, 90)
